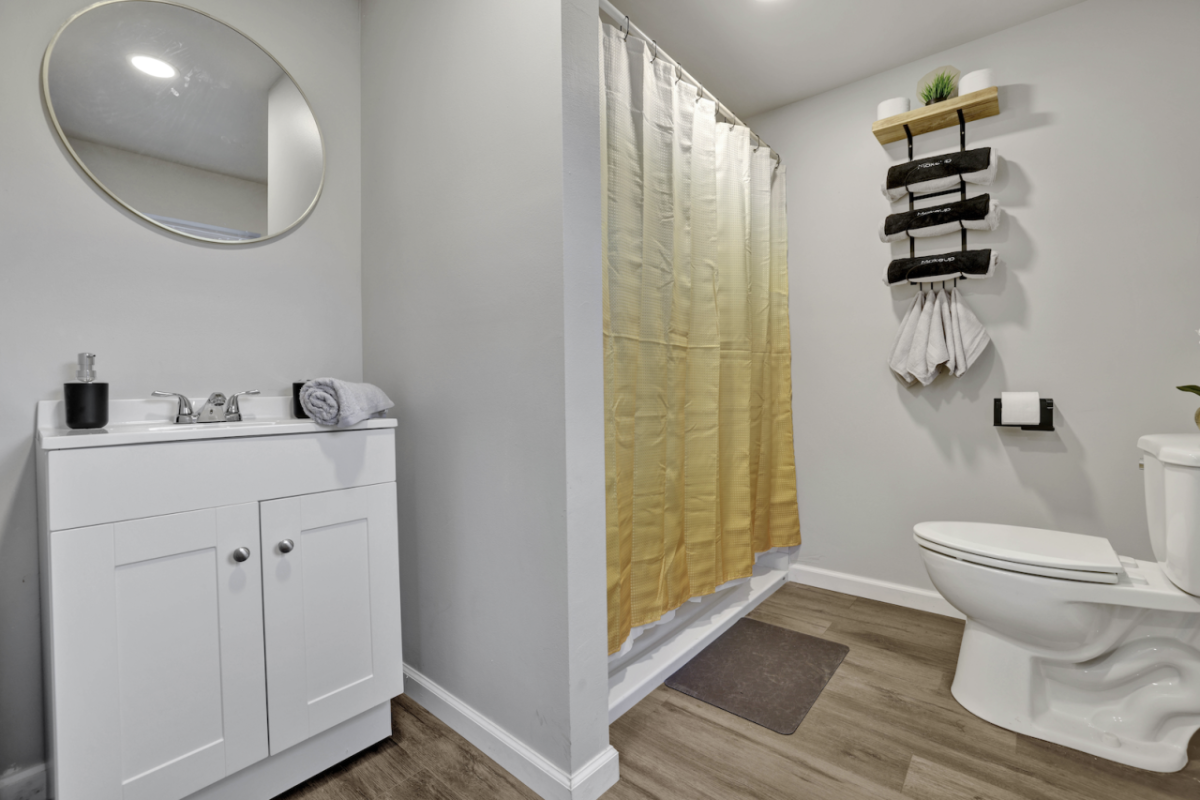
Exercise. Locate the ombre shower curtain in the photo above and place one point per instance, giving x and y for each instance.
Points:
(700, 463)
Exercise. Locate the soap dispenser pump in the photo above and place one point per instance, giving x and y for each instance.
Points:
(86, 401)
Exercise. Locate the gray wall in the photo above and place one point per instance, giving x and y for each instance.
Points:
(1094, 303)
(79, 272)
(482, 300)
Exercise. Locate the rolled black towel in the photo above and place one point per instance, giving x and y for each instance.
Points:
(976, 214)
(937, 173)
(941, 267)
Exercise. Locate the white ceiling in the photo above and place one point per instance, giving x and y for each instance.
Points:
(756, 55)
(212, 115)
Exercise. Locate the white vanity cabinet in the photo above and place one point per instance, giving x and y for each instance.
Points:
(221, 607)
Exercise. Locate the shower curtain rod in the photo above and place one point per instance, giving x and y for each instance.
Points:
(608, 8)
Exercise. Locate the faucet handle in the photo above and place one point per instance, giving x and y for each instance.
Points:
(233, 413)
(184, 415)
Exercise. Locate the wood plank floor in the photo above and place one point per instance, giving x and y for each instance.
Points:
(885, 727)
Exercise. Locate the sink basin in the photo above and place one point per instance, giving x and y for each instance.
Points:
(245, 423)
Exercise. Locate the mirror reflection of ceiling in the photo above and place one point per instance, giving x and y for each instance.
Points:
(211, 115)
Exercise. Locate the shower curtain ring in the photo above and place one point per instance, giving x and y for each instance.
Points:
(626, 27)
(655, 43)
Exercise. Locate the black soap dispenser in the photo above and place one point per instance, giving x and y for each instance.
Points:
(86, 401)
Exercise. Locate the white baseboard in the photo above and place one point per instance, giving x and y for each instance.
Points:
(635, 680)
(873, 589)
(24, 784)
(528, 766)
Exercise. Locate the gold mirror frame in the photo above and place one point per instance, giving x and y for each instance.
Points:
(66, 143)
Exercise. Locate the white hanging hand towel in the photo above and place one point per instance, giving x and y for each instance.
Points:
(947, 309)
(918, 354)
(936, 352)
(955, 336)
(329, 401)
(904, 339)
(970, 333)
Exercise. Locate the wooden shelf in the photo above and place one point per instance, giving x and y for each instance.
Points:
(976, 105)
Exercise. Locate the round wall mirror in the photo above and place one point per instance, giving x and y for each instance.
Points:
(183, 120)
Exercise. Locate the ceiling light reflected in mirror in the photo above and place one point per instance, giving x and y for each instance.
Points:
(152, 66)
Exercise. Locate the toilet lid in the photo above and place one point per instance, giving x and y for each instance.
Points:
(1033, 547)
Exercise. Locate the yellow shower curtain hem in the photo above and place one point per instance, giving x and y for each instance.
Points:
(637, 623)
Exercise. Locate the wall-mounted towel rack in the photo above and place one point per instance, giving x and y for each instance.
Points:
(951, 336)
(976, 105)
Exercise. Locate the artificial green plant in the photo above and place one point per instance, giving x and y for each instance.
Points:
(938, 89)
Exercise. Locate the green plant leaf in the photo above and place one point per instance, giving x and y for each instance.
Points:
(1190, 388)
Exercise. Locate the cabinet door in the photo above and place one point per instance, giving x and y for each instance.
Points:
(158, 654)
(331, 604)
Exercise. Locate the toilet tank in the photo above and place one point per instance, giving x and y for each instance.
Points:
(1172, 477)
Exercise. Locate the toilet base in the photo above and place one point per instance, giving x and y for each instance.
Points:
(1138, 703)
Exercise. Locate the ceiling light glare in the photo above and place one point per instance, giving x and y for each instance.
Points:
(152, 66)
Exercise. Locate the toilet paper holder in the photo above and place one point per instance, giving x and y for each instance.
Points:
(1046, 423)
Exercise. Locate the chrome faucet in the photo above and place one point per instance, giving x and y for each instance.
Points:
(217, 408)
(213, 409)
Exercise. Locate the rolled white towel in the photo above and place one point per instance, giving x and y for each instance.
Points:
(329, 401)
(939, 173)
(972, 264)
(977, 214)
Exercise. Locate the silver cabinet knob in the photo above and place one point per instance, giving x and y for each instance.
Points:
(287, 546)
(241, 554)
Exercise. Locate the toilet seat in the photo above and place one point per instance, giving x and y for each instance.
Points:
(1013, 566)
(1032, 551)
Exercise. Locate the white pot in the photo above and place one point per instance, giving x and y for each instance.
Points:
(974, 81)
(890, 108)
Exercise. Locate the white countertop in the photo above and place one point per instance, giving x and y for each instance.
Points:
(153, 420)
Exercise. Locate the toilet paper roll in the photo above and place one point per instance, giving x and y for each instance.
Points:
(890, 108)
(974, 81)
(1020, 408)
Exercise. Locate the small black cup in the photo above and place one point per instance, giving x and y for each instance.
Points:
(297, 409)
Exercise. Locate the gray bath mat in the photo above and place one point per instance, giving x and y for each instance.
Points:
(763, 673)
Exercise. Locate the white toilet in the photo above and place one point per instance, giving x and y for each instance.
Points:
(1067, 641)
